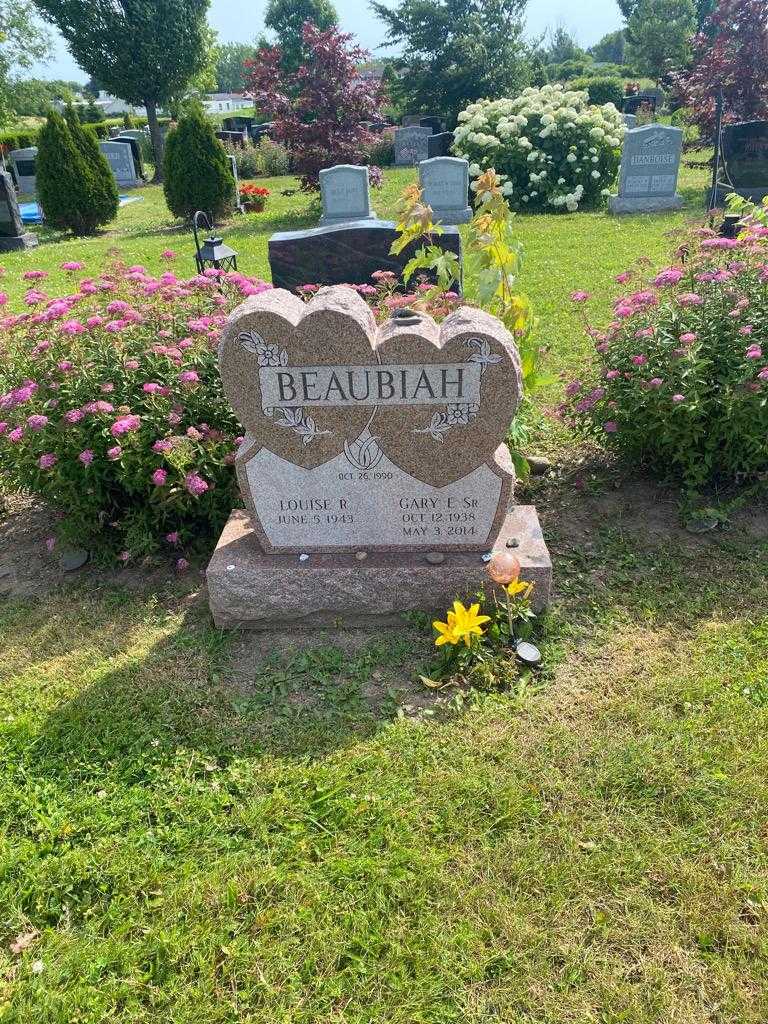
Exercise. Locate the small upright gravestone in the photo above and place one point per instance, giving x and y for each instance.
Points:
(744, 150)
(650, 161)
(640, 103)
(630, 120)
(12, 233)
(345, 194)
(24, 163)
(445, 188)
(440, 144)
(373, 466)
(411, 145)
(120, 159)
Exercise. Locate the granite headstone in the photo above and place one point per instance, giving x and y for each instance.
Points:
(411, 145)
(640, 103)
(385, 441)
(13, 234)
(439, 145)
(24, 162)
(345, 194)
(346, 253)
(444, 184)
(630, 120)
(650, 161)
(135, 144)
(744, 149)
(120, 159)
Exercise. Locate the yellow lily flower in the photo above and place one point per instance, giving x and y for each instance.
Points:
(467, 621)
(445, 629)
(520, 587)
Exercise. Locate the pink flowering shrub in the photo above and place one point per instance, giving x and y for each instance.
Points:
(111, 407)
(681, 379)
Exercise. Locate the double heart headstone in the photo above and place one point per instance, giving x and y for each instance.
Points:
(356, 435)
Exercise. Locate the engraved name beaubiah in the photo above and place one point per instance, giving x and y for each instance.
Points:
(401, 384)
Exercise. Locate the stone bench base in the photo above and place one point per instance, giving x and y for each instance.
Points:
(251, 590)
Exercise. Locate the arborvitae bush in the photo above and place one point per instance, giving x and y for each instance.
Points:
(101, 185)
(71, 193)
(197, 172)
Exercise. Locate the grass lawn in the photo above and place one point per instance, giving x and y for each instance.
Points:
(201, 828)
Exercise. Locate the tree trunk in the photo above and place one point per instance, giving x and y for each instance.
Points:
(157, 139)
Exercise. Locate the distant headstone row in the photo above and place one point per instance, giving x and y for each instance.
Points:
(421, 138)
(444, 182)
(123, 156)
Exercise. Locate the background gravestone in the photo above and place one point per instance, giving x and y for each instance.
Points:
(345, 194)
(120, 159)
(744, 151)
(24, 163)
(411, 145)
(12, 233)
(445, 187)
(344, 254)
(439, 145)
(382, 441)
(129, 140)
(233, 168)
(640, 103)
(650, 161)
(630, 120)
(234, 138)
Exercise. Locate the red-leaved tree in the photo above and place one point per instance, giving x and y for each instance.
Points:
(317, 110)
(730, 53)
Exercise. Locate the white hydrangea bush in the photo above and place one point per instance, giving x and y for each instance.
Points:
(549, 147)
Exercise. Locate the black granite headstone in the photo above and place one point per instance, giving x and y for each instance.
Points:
(136, 151)
(640, 102)
(234, 138)
(439, 145)
(745, 155)
(12, 233)
(434, 123)
(237, 123)
(344, 254)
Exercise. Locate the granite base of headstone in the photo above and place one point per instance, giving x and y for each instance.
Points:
(411, 145)
(444, 184)
(343, 254)
(13, 234)
(744, 155)
(650, 162)
(345, 194)
(373, 467)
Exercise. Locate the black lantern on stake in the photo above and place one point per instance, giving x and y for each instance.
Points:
(213, 252)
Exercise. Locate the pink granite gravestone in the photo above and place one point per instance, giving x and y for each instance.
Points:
(373, 467)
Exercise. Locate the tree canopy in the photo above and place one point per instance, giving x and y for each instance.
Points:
(609, 49)
(230, 59)
(659, 34)
(454, 51)
(22, 41)
(144, 51)
(286, 18)
(729, 53)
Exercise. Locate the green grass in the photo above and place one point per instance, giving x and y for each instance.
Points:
(203, 829)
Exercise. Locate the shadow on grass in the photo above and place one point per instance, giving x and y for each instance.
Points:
(197, 688)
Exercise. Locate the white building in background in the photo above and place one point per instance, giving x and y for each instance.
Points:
(111, 106)
(225, 102)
